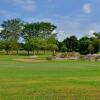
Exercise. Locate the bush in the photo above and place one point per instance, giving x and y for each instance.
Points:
(68, 55)
(51, 58)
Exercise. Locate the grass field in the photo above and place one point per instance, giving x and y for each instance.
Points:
(53, 80)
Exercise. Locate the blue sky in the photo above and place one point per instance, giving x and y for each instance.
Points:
(73, 17)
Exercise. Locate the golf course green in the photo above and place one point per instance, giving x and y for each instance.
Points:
(51, 80)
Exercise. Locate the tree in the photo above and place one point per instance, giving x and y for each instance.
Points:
(97, 35)
(9, 45)
(1, 45)
(37, 35)
(83, 45)
(11, 32)
(95, 43)
(41, 29)
(90, 48)
(46, 29)
(28, 45)
(71, 43)
(63, 48)
(52, 44)
(11, 29)
(39, 44)
(52, 47)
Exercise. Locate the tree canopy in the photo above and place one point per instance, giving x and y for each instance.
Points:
(40, 36)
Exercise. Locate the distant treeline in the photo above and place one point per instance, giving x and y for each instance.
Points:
(39, 36)
(84, 45)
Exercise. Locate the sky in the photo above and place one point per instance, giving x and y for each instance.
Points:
(72, 17)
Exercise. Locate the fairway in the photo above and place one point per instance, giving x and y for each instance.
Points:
(52, 80)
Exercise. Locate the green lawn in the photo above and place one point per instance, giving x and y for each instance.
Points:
(53, 80)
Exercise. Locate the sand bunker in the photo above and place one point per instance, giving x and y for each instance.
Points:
(30, 60)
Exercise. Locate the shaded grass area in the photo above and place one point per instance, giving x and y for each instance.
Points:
(53, 80)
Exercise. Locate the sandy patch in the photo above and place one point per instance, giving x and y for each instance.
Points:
(29, 60)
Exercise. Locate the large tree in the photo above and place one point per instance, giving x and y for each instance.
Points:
(40, 29)
(86, 45)
(37, 34)
(97, 35)
(46, 29)
(71, 43)
(52, 44)
(9, 45)
(11, 33)
(11, 29)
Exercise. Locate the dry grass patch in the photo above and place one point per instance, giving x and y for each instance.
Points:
(30, 60)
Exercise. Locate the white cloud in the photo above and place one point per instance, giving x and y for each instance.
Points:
(54, 32)
(95, 26)
(87, 8)
(69, 25)
(27, 5)
(61, 32)
(78, 26)
(61, 35)
(31, 19)
(90, 33)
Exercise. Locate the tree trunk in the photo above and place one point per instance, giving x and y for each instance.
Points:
(28, 52)
(37, 52)
(44, 51)
(7, 52)
(33, 52)
(17, 52)
(54, 52)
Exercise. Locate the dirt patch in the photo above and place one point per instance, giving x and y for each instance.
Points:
(30, 60)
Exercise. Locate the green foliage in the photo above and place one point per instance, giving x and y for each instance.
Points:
(10, 34)
(71, 43)
(83, 45)
(63, 48)
(88, 45)
(40, 36)
(90, 48)
(1, 45)
(11, 29)
(97, 35)
(40, 29)
(9, 45)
